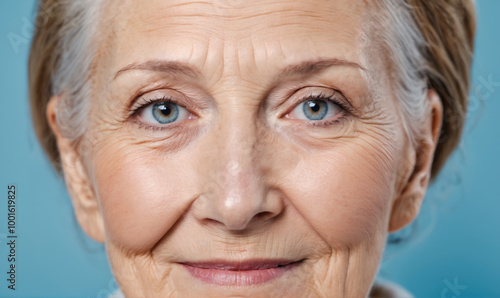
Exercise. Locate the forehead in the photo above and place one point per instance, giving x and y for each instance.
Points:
(226, 36)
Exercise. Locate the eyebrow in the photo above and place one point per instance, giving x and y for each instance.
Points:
(183, 68)
(161, 66)
(313, 66)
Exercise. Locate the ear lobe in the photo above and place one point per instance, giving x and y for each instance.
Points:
(83, 197)
(407, 205)
(406, 208)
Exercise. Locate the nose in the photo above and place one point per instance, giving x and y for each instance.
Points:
(236, 191)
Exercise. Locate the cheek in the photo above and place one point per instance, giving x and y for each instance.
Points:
(140, 196)
(345, 193)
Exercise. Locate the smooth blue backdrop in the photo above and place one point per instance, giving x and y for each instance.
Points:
(455, 245)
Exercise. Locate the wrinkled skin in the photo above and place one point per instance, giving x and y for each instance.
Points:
(243, 175)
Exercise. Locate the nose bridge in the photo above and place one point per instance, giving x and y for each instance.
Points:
(238, 146)
(237, 191)
(240, 194)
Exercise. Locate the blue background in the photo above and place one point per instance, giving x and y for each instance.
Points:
(456, 239)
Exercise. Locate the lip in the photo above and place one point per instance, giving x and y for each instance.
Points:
(245, 273)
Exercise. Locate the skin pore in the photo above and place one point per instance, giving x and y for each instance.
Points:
(242, 173)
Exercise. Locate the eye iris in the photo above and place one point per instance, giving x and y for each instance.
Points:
(165, 112)
(315, 109)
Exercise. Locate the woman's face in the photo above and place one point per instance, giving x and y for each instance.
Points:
(243, 148)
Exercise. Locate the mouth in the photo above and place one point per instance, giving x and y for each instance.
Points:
(245, 273)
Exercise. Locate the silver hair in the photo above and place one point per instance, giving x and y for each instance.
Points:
(72, 78)
(402, 37)
(406, 49)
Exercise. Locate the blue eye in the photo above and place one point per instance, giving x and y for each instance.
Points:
(163, 113)
(315, 110)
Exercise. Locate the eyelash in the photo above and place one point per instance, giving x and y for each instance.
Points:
(346, 110)
(136, 108)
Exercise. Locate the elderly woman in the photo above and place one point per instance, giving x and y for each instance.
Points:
(249, 148)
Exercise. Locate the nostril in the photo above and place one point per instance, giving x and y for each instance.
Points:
(240, 224)
(264, 216)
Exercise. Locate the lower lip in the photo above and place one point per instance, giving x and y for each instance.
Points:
(224, 277)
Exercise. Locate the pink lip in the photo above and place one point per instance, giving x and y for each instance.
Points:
(239, 273)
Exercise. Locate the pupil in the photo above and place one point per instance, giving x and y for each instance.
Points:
(314, 106)
(165, 110)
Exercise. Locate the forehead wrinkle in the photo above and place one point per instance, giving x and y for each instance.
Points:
(166, 15)
(244, 18)
(214, 34)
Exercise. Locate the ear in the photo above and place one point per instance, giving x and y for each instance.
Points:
(82, 194)
(407, 205)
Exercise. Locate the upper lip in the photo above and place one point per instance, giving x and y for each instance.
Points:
(243, 265)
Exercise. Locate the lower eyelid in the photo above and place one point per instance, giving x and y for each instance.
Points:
(146, 126)
(343, 116)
